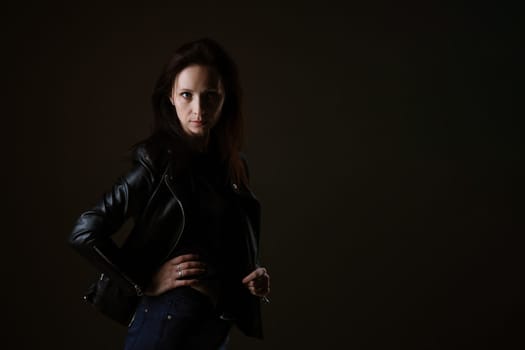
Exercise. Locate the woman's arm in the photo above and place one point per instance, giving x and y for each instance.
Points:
(91, 234)
(258, 281)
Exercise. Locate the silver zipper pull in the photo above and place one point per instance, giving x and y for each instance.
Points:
(138, 290)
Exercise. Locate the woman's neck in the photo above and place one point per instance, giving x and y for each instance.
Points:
(198, 144)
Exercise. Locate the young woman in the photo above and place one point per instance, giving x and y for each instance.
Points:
(189, 268)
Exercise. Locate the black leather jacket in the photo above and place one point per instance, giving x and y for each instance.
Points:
(148, 195)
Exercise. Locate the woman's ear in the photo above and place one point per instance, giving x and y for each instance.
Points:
(171, 100)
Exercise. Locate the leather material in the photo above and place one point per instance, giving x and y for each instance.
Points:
(147, 194)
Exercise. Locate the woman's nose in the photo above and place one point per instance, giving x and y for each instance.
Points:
(198, 107)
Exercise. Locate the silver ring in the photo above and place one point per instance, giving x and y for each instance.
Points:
(180, 273)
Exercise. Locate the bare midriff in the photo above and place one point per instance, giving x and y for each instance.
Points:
(206, 290)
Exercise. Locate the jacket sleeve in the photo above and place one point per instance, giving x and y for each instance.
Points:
(91, 234)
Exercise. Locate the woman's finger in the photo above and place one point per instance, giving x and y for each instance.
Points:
(188, 272)
(260, 292)
(183, 258)
(254, 274)
(259, 281)
(262, 283)
(189, 265)
(175, 283)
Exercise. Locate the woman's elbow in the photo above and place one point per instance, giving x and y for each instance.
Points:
(77, 240)
(82, 233)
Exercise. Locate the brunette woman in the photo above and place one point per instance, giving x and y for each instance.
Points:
(188, 269)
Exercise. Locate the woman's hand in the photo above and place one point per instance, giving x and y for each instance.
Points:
(258, 282)
(174, 273)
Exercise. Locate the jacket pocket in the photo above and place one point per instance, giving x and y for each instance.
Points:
(112, 300)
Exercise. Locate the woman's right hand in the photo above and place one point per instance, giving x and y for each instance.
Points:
(175, 273)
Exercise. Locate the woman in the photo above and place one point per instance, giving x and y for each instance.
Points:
(188, 269)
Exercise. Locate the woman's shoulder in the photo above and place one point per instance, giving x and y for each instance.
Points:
(152, 153)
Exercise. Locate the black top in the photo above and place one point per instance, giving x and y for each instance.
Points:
(212, 213)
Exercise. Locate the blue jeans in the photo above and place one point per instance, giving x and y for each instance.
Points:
(181, 318)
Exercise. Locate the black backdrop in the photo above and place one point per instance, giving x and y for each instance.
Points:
(380, 146)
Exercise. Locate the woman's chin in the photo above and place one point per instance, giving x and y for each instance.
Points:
(198, 133)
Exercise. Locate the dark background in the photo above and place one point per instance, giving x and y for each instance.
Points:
(381, 147)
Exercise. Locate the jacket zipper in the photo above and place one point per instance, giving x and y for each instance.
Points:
(138, 290)
(183, 216)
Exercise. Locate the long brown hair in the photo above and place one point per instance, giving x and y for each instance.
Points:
(227, 134)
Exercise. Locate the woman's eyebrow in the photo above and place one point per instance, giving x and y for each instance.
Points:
(190, 90)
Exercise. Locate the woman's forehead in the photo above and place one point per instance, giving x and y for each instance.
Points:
(198, 77)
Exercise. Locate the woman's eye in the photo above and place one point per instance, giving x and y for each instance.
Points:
(212, 96)
(186, 95)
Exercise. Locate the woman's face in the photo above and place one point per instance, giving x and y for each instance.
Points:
(198, 96)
